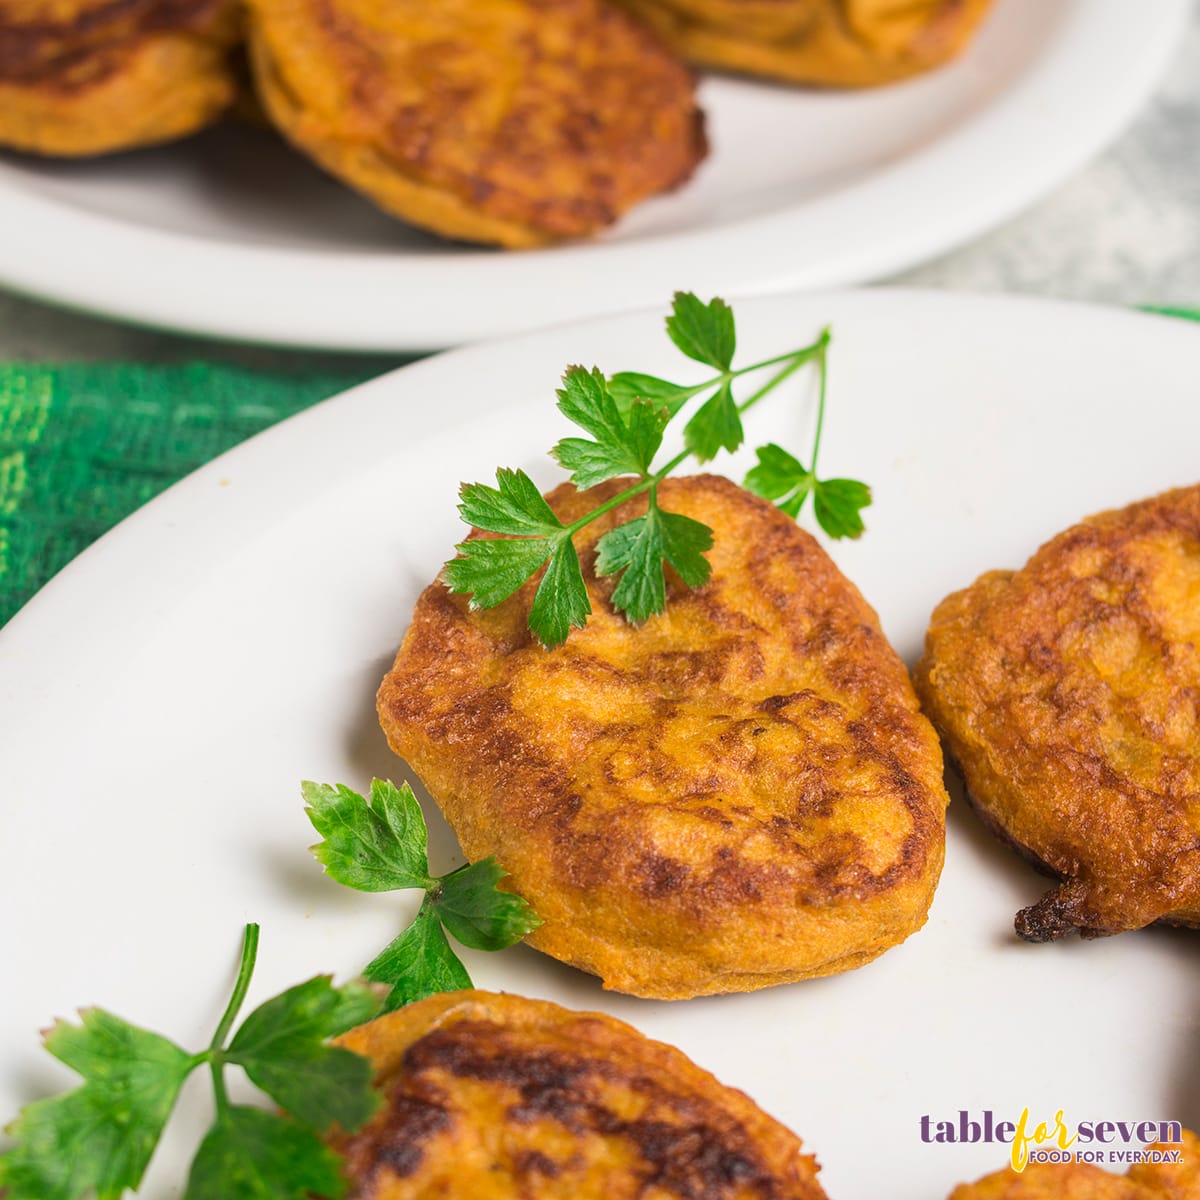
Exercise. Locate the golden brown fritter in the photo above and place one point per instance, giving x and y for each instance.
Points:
(1069, 693)
(501, 1098)
(1083, 1181)
(84, 77)
(515, 122)
(740, 792)
(833, 43)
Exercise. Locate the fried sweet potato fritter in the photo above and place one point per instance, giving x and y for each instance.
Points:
(833, 43)
(739, 793)
(84, 77)
(1069, 693)
(1084, 1181)
(516, 122)
(498, 1097)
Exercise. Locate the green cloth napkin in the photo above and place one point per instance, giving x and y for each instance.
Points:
(82, 446)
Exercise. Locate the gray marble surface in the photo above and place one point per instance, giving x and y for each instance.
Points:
(1125, 230)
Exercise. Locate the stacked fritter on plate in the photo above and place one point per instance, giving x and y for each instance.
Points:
(516, 123)
(511, 123)
(83, 77)
(833, 43)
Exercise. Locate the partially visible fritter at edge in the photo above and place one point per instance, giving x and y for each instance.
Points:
(492, 1097)
(87, 77)
(1069, 695)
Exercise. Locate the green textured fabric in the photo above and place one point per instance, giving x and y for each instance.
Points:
(1170, 310)
(83, 446)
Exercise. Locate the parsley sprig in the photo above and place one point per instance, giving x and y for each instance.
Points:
(99, 1138)
(625, 417)
(380, 846)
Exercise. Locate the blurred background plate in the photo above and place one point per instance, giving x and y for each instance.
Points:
(232, 235)
(161, 700)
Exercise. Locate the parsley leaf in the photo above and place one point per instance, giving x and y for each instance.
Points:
(561, 600)
(373, 847)
(491, 569)
(635, 549)
(467, 902)
(702, 331)
(838, 505)
(585, 401)
(779, 477)
(716, 426)
(641, 546)
(625, 440)
(98, 1139)
(418, 963)
(474, 909)
(627, 386)
(100, 1136)
(782, 478)
(250, 1154)
(684, 542)
(281, 1046)
(514, 505)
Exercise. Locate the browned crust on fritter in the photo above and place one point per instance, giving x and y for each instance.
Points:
(1084, 1181)
(739, 793)
(103, 75)
(493, 1096)
(516, 123)
(831, 43)
(1069, 694)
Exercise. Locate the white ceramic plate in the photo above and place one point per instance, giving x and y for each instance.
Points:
(163, 697)
(232, 235)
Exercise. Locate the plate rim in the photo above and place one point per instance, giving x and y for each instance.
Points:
(304, 435)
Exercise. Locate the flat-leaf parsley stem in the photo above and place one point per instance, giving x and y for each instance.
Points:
(241, 985)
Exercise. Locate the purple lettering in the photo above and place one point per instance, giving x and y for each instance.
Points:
(1170, 1131)
(1146, 1131)
(945, 1132)
(1085, 1132)
(968, 1130)
(1104, 1132)
(1005, 1131)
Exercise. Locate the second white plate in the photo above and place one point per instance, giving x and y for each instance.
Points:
(232, 235)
